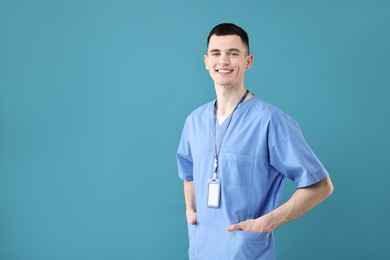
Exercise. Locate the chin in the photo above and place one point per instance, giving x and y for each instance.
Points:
(223, 82)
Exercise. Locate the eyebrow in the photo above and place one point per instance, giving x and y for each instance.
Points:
(230, 50)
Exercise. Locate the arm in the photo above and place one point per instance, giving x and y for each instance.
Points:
(189, 197)
(303, 200)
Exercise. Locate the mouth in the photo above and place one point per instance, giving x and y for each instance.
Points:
(224, 71)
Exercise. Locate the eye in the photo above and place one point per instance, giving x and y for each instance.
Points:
(234, 54)
(215, 54)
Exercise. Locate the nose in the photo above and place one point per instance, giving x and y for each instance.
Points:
(224, 59)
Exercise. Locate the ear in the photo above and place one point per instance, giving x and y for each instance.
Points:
(206, 59)
(249, 61)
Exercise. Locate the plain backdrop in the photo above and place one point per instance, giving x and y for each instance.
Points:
(93, 98)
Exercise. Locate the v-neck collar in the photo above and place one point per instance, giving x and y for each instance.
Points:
(242, 107)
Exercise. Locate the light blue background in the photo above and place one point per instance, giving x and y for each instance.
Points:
(94, 94)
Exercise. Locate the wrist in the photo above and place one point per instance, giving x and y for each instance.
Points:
(265, 223)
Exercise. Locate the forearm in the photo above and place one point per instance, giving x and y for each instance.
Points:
(189, 198)
(303, 200)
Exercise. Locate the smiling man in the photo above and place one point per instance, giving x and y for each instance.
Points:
(234, 155)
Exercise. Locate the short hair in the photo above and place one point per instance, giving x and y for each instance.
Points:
(229, 29)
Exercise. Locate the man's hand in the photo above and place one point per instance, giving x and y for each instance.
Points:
(251, 225)
(191, 217)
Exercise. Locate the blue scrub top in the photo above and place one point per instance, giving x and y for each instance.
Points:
(261, 147)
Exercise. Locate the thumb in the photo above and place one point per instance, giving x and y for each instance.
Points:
(234, 227)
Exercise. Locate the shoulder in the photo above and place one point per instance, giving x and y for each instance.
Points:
(201, 112)
(268, 112)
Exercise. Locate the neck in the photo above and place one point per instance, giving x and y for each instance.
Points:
(228, 97)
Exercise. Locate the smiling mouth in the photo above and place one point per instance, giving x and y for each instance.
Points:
(224, 71)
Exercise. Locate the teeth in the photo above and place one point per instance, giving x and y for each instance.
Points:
(224, 71)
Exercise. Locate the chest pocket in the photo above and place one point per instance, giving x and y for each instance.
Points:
(236, 169)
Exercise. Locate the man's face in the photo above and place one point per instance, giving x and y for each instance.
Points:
(227, 59)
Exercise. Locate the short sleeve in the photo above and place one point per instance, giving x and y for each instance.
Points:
(290, 154)
(184, 156)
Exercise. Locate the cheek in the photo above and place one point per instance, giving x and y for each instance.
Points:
(240, 70)
(208, 66)
(243, 68)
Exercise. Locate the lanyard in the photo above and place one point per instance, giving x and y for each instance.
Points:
(217, 149)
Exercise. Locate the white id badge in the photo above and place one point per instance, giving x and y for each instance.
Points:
(213, 193)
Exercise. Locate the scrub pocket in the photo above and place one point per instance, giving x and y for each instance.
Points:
(237, 169)
(191, 240)
(250, 245)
